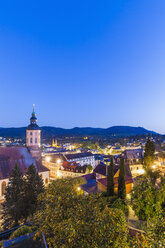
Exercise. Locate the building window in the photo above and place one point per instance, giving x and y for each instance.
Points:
(36, 140)
(41, 176)
(137, 168)
(3, 187)
(31, 133)
(31, 140)
(46, 181)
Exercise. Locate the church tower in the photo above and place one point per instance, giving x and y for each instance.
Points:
(33, 136)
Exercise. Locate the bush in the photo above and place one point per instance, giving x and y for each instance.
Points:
(22, 231)
(70, 219)
(122, 205)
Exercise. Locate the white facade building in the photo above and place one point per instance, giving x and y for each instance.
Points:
(81, 158)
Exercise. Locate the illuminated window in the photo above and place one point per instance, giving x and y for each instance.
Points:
(3, 187)
(46, 181)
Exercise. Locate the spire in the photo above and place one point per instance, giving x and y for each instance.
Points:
(33, 119)
(33, 108)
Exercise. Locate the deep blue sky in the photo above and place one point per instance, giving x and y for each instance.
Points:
(83, 63)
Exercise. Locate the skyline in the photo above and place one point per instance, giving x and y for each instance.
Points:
(88, 64)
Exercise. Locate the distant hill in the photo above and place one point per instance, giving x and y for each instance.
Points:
(48, 132)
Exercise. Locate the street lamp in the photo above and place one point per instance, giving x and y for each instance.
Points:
(58, 161)
(47, 159)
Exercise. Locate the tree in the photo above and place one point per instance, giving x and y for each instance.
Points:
(156, 231)
(149, 154)
(89, 168)
(121, 180)
(146, 199)
(33, 186)
(110, 179)
(70, 219)
(13, 204)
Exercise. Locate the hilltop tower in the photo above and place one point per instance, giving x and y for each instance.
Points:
(33, 136)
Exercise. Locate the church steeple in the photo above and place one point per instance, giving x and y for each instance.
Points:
(33, 119)
(33, 132)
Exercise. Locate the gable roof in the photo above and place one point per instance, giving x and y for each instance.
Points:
(101, 169)
(133, 154)
(78, 155)
(9, 156)
(103, 181)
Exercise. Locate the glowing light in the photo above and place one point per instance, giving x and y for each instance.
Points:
(47, 159)
(154, 166)
(58, 161)
(59, 174)
(78, 188)
(141, 171)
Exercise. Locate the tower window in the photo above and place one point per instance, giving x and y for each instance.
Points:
(30, 133)
(31, 140)
(36, 140)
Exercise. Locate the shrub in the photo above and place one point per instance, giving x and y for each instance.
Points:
(21, 231)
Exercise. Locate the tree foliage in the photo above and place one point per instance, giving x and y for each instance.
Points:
(21, 196)
(33, 186)
(110, 179)
(121, 180)
(149, 154)
(70, 219)
(13, 204)
(89, 168)
(146, 198)
(156, 230)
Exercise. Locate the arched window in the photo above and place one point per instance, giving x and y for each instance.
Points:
(3, 187)
(46, 181)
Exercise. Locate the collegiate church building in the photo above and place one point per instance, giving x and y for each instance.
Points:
(23, 156)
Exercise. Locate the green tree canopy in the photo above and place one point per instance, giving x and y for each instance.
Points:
(89, 168)
(146, 198)
(21, 196)
(149, 154)
(13, 204)
(156, 230)
(70, 219)
(121, 180)
(110, 179)
(33, 186)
